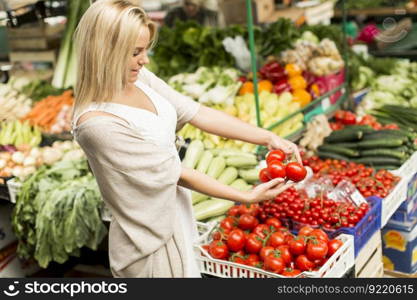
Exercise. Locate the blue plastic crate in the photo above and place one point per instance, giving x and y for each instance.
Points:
(367, 226)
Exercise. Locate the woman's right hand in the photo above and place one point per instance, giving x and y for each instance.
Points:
(268, 190)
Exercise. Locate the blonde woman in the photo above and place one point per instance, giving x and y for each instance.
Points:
(125, 119)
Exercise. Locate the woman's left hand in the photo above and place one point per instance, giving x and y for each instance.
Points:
(276, 142)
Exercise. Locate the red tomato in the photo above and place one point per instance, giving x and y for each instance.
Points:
(304, 264)
(316, 249)
(320, 235)
(247, 222)
(285, 254)
(253, 243)
(276, 170)
(276, 239)
(334, 245)
(238, 257)
(274, 222)
(218, 250)
(228, 223)
(305, 230)
(236, 240)
(264, 175)
(234, 211)
(273, 155)
(266, 251)
(274, 263)
(339, 115)
(253, 260)
(252, 209)
(262, 230)
(289, 272)
(295, 171)
(297, 246)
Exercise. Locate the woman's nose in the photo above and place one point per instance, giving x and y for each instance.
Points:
(144, 59)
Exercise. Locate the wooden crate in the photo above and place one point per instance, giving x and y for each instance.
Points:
(394, 274)
(311, 15)
(368, 263)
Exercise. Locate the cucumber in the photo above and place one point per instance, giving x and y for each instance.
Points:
(344, 135)
(339, 150)
(345, 145)
(381, 135)
(363, 128)
(380, 143)
(331, 155)
(387, 167)
(385, 153)
(379, 161)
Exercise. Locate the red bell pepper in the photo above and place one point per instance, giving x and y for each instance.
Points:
(281, 86)
(273, 71)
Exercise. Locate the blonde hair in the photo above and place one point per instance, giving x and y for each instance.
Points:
(104, 42)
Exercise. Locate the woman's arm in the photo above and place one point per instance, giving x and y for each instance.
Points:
(202, 183)
(222, 124)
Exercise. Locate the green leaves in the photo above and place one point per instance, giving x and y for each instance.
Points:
(57, 213)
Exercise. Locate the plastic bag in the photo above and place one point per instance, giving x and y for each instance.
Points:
(237, 48)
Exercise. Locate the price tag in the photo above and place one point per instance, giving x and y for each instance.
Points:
(325, 104)
(357, 198)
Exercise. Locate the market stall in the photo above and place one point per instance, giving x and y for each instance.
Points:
(353, 208)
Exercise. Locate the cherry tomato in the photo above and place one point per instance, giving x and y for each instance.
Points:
(236, 240)
(264, 175)
(334, 245)
(304, 264)
(316, 249)
(289, 272)
(277, 170)
(253, 244)
(275, 155)
(218, 250)
(247, 222)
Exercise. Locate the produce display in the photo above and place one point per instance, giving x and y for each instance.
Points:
(19, 134)
(245, 239)
(368, 142)
(23, 161)
(366, 180)
(13, 104)
(231, 167)
(57, 212)
(52, 114)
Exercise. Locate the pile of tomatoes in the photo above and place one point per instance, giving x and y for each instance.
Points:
(278, 168)
(343, 118)
(243, 238)
(296, 210)
(367, 181)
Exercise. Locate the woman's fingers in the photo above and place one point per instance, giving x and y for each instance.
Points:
(272, 183)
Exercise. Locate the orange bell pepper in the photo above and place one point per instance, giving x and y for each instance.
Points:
(297, 83)
(301, 96)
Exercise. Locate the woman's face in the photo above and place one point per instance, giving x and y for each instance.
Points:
(139, 56)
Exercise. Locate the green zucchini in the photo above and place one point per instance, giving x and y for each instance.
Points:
(382, 135)
(204, 162)
(380, 143)
(379, 161)
(363, 128)
(240, 161)
(331, 155)
(339, 150)
(211, 208)
(387, 167)
(228, 175)
(344, 135)
(217, 165)
(194, 152)
(197, 197)
(250, 176)
(384, 152)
